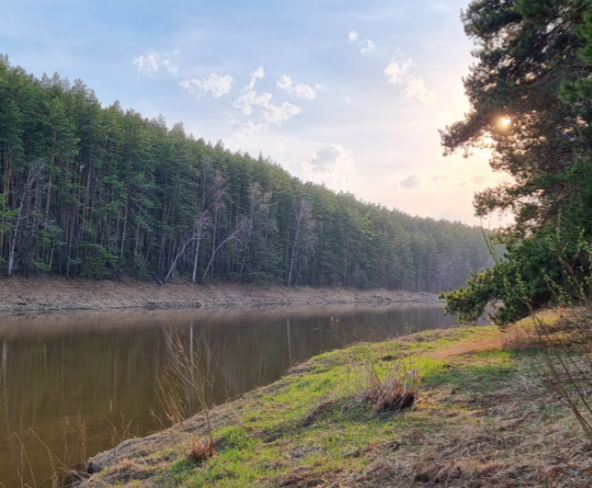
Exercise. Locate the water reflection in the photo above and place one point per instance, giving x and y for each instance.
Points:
(84, 373)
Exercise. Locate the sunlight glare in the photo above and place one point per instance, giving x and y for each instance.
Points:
(506, 121)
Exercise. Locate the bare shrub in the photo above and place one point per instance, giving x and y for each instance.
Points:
(184, 386)
(200, 450)
(566, 343)
(393, 389)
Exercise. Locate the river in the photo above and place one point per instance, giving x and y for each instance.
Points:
(75, 384)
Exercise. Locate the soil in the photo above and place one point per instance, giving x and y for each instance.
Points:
(19, 295)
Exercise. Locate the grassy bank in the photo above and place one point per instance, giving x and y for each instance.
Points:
(480, 419)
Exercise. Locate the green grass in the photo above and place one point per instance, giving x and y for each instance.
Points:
(331, 440)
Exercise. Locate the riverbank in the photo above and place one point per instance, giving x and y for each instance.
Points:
(19, 295)
(480, 419)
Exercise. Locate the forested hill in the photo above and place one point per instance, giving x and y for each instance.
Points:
(104, 193)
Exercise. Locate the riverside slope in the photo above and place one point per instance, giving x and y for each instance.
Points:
(18, 295)
(481, 419)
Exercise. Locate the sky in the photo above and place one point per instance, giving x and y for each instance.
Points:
(346, 93)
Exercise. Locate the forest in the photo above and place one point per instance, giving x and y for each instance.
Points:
(103, 193)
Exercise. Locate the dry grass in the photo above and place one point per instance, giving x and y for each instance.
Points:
(199, 451)
(394, 390)
(482, 342)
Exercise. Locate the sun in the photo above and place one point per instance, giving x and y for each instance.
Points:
(506, 121)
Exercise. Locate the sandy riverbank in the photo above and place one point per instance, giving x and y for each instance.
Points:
(18, 295)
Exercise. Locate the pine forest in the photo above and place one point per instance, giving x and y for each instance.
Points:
(103, 193)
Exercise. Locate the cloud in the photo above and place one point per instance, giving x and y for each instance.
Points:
(284, 82)
(305, 91)
(347, 99)
(353, 36)
(301, 90)
(412, 182)
(152, 63)
(248, 129)
(416, 90)
(478, 179)
(255, 75)
(367, 46)
(275, 114)
(396, 71)
(333, 165)
(250, 99)
(325, 157)
(170, 67)
(215, 84)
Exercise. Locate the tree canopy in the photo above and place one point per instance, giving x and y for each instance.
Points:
(533, 69)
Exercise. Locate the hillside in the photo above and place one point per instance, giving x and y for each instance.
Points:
(88, 191)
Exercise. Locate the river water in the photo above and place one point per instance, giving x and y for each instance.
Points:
(75, 384)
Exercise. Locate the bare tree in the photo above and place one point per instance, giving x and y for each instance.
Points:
(260, 226)
(211, 191)
(304, 235)
(25, 217)
(235, 235)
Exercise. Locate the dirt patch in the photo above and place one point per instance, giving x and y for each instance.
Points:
(18, 295)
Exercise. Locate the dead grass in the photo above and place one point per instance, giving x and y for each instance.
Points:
(483, 342)
(393, 390)
(200, 450)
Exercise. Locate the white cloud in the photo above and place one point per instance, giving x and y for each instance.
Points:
(256, 75)
(353, 36)
(285, 82)
(396, 71)
(152, 63)
(170, 67)
(416, 90)
(147, 64)
(347, 99)
(250, 99)
(305, 91)
(367, 46)
(275, 114)
(248, 129)
(333, 165)
(412, 182)
(215, 84)
(301, 90)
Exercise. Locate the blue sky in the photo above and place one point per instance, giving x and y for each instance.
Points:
(346, 93)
